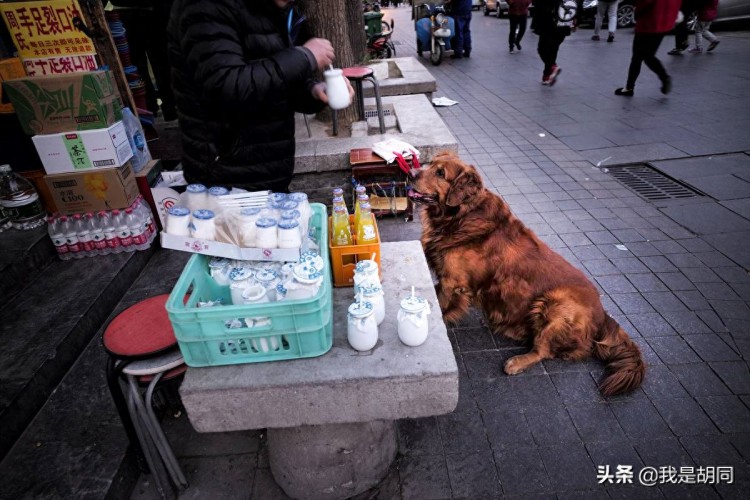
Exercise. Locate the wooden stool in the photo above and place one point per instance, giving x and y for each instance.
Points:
(356, 74)
(142, 349)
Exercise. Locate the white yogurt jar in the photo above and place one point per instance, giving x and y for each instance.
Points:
(239, 278)
(248, 229)
(178, 221)
(366, 273)
(196, 196)
(288, 235)
(204, 225)
(219, 269)
(266, 233)
(361, 327)
(374, 294)
(412, 320)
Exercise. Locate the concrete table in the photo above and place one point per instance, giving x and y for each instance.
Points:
(331, 419)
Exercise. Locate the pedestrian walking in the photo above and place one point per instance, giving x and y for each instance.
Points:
(681, 29)
(653, 20)
(461, 43)
(518, 11)
(552, 31)
(608, 8)
(706, 14)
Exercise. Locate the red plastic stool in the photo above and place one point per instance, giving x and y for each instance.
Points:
(357, 74)
(142, 348)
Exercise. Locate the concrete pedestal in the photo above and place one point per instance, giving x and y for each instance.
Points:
(331, 462)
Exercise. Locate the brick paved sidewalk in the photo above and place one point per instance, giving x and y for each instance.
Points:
(670, 272)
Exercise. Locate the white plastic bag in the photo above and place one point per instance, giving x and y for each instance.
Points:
(387, 149)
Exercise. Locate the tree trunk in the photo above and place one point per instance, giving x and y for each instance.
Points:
(342, 23)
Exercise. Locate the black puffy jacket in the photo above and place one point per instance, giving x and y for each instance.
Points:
(238, 78)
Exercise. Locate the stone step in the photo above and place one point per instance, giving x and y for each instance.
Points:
(46, 326)
(89, 459)
(23, 256)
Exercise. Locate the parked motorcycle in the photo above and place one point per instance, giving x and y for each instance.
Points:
(380, 45)
(434, 30)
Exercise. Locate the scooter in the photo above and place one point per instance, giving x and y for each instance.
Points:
(380, 45)
(434, 30)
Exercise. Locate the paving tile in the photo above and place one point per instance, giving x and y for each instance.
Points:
(699, 380)
(727, 412)
(668, 247)
(521, 471)
(645, 282)
(651, 325)
(676, 281)
(639, 419)
(489, 364)
(614, 453)
(473, 475)
(713, 321)
(731, 309)
(662, 452)
(652, 359)
(264, 487)
(684, 416)
(733, 274)
(615, 284)
(601, 267)
(661, 383)
(664, 301)
(673, 350)
(741, 443)
(701, 275)
(564, 366)
(717, 291)
(658, 264)
(463, 432)
(715, 450)
(575, 387)
(707, 218)
(569, 466)
(551, 425)
(630, 265)
(491, 395)
(682, 260)
(643, 249)
(187, 442)
(710, 347)
(587, 252)
(689, 491)
(686, 322)
(419, 435)
(507, 427)
(535, 391)
(734, 374)
(424, 476)
(597, 237)
(579, 495)
(474, 339)
(626, 492)
(714, 259)
(628, 235)
(594, 421)
(631, 303)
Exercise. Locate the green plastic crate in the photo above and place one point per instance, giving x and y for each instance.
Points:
(302, 328)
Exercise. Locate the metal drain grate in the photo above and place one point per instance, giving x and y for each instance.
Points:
(651, 184)
(373, 113)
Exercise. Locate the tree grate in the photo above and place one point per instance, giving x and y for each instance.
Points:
(652, 184)
(373, 113)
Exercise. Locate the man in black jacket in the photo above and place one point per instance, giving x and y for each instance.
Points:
(240, 69)
(552, 31)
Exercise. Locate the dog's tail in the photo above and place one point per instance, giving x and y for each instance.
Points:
(625, 368)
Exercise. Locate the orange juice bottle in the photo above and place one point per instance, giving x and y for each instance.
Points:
(362, 198)
(342, 234)
(366, 228)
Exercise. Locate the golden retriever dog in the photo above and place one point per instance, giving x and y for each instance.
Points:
(484, 256)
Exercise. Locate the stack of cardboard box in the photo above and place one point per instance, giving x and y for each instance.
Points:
(76, 123)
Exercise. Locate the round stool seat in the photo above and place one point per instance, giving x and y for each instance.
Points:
(357, 72)
(156, 364)
(173, 373)
(140, 330)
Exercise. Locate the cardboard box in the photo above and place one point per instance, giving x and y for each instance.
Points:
(10, 69)
(61, 103)
(93, 190)
(86, 149)
(220, 249)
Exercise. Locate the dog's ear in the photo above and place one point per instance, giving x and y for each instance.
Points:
(465, 186)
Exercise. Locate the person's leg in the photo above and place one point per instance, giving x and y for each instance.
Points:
(699, 27)
(521, 30)
(638, 53)
(710, 36)
(653, 63)
(512, 33)
(601, 9)
(457, 44)
(467, 36)
(544, 50)
(612, 19)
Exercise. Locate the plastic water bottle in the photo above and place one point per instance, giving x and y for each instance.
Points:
(70, 232)
(110, 233)
(19, 200)
(123, 231)
(137, 229)
(148, 219)
(97, 235)
(84, 236)
(54, 228)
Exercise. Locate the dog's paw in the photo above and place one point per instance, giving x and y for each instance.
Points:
(514, 365)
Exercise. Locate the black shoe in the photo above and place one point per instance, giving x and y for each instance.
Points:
(467, 54)
(518, 46)
(456, 56)
(666, 85)
(611, 38)
(624, 92)
(510, 49)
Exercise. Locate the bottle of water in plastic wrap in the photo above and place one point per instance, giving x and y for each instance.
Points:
(19, 200)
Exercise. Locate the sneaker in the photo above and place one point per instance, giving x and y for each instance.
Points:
(696, 50)
(510, 49)
(711, 46)
(545, 80)
(518, 45)
(624, 92)
(595, 38)
(611, 38)
(666, 85)
(467, 54)
(556, 70)
(675, 52)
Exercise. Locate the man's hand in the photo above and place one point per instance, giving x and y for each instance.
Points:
(319, 91)
(322, 50)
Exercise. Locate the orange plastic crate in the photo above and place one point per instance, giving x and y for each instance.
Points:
(344, 258)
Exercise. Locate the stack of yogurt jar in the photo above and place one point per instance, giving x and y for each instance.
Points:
(260, 220)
